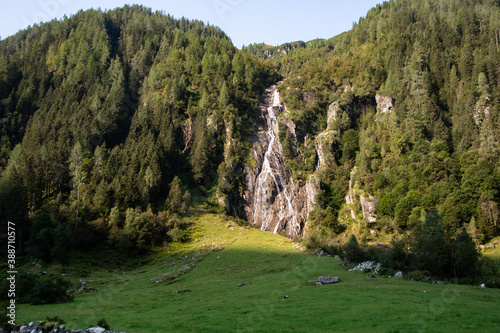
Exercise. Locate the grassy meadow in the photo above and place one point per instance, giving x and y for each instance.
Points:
(222, 255)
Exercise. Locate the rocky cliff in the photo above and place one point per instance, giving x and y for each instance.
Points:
(274, 200)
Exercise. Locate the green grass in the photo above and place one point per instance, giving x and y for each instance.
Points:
(208, 298)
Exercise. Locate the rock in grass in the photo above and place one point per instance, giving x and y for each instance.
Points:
(96, 330)
(328, 280)
(244, 284)
(398, 275)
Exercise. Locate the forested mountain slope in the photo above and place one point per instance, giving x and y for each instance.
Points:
(107, 118)
(399, 116)
(112, 121)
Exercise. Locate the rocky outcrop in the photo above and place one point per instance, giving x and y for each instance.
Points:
(323, 143)
(332, 113)
(384, 104)
(368, 207)
(273, 199)
(367, 202)
(187, 136)
(481, 111)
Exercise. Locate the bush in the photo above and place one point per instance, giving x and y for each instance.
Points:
(40, 289)
(56, 319)
(352, 252)
(177, 234)
(103, 323)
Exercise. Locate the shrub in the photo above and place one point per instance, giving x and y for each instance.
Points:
(56, 319)
(177, 234)
(352, 252)
(103, 323)
(41, 289)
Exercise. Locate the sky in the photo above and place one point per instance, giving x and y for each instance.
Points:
(273, 22)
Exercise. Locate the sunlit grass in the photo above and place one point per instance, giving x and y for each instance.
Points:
(207, 297)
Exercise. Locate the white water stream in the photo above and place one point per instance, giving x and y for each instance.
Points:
(271, 168)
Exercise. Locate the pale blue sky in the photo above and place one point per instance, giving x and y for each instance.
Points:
(245, 21)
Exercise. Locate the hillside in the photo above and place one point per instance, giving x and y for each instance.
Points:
(207, 296)
(105, 113)
(397, 117)
(129, 139)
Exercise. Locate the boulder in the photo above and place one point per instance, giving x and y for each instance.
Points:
(328, 280)
(398, 275)
(96, 330)
(384, 104)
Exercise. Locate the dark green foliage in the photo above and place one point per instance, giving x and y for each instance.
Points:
(431, 248)
(103, 323)
(438, 147)
(105, 109)
(432, 251)
(465, 256)
(56, 319)
(42, 289)
(352, 252)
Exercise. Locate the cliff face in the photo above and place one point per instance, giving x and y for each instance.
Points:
(274, 200)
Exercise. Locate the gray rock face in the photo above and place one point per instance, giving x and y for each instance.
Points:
(368, 206)
(273, 199)
(398, 275)
(332, 113)
(323, 144)
(328, 280)
(384, 103)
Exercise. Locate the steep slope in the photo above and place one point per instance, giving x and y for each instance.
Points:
(106, 111)
(404, 108)
(274, 199)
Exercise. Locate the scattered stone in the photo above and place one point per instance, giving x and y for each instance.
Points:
(437, 282)
(328, 280)
(483, 285)
(244, 284)
(398, 275)
(96, 330)
(371, 276)
(367, 266)
(322, 253)
(285, 297)
(182, 291)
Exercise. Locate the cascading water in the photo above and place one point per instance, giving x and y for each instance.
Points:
(275, 202)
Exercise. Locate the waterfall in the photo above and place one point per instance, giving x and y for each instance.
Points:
(274, 188)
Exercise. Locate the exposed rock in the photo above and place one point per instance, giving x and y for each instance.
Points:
(367, 266)
(368, 207)
(187, 136)
(312, 189)
(481, 110)
(332, 113)
(398, 275)
(244, 284)
(96, 330)
(273, 199)
(384, 104)
(328, 280)
(324, 142)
